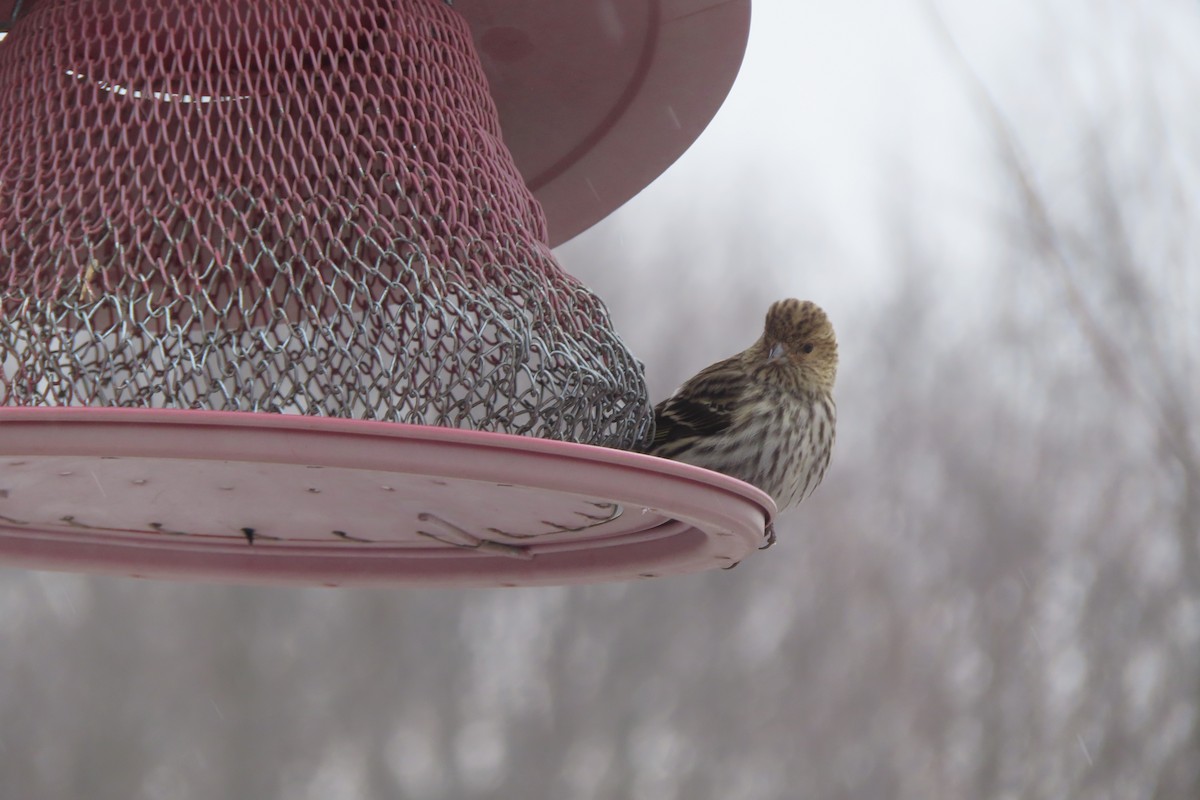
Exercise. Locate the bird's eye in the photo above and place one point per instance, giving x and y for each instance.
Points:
(807, 347)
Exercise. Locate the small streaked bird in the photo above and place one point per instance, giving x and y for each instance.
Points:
(766, 415)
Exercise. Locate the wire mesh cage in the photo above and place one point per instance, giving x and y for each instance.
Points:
(289, 207)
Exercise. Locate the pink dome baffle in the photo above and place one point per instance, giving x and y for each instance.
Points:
(220, 206)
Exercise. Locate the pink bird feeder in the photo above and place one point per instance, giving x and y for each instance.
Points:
(279, 304)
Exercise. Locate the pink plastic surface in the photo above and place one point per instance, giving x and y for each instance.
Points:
(597, 97)
(171, 494)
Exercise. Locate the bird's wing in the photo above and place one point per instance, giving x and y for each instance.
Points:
(703, 406)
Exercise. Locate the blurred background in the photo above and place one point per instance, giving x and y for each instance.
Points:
(994, 594)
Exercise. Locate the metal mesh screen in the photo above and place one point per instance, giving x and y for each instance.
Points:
(284, 206)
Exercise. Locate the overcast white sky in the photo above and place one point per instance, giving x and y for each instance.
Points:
(831, 99)
(843, 108)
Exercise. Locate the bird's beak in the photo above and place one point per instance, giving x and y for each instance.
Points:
(776, 352)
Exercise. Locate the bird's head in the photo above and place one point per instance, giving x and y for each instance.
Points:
(798, 344)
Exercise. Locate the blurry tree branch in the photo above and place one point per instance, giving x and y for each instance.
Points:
(1041, 225)
(1141, 362)
(1165, 407)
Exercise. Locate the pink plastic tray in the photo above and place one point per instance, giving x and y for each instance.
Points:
(181, 494)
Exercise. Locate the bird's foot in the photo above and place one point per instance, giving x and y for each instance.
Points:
(253, 536)
(770, 534)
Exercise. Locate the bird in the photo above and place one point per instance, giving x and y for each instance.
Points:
(766, 415)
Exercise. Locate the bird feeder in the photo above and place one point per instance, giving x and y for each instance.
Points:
(279, 304)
